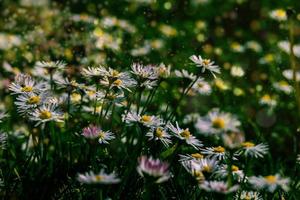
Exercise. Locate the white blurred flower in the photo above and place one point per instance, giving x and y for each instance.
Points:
(100, 178)
(278, 15)
(218, 186)
(237, 71)
(283, 86)
(216, 122)
(270, 183)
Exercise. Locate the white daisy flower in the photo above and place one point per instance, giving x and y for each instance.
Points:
(253, 45)
(288, 74)
(28, 101)
(205, 64)
(153, 167)
(185, 134)
(253, 150)
(285, 46)
(268, 100)
(216, 122)
(218, 186)
(144, 71)
(195, 166)
(25, 84)
(160, 134)
(146, 120)
(218, 152)
(146, 76)
(202, 87)
(95, 132)
(283, 86)
(94, 72)
(163, 70)
(185, 74)
(46, 112)
(100, 178)
(51, 65)
(278, 15)
(248, 195)
(270, 183)
(121, 83)
(222, 172)
(237, 71)
(188, 157)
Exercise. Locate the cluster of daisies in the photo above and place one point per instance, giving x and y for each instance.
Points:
(222, 168)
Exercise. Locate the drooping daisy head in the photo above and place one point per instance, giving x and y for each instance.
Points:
(218, 187)
(154, 168)
(50, 66)
(253, 150)
(218, 152)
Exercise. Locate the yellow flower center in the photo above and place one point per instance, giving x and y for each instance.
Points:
(266, 97)
(200, 85)
(118, 82)
(248, 144)
(206, 168)
(280, 13)
(198, 175)
(247, 197)
(159, 133)
(27, 89)
(234, 168)
(218, 123)
(283, 83)
(186, 133)
(205, 62)
(45, 114)
(146, 118)
(34, 100)
(74, 83)
(162, 71)
(219, 149)
(115, 73)
(91, 92)
(197, 155)
(101, 135)
(99, 178)
(271, 179)
(111, 96)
